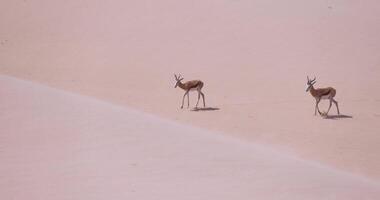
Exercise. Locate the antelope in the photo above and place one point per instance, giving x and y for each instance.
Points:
(190, 86)
(321, 93)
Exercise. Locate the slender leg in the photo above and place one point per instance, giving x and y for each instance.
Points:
(188, 100)
(317, 107)
(203, 97)
(199, 96)
(329, 107)
(337, 107)
(183, 98)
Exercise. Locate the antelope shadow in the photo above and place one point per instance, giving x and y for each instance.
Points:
(205, 109)
(338, 117)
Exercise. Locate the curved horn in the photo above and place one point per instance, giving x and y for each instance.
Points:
(313, 79)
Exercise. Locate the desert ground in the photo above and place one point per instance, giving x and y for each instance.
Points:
(84, 80)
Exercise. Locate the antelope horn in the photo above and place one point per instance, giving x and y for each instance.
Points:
(313, 79)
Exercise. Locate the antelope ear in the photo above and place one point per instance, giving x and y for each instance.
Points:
(180, 79)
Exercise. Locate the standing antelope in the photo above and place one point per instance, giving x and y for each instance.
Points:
(190, 86)
(321, 93)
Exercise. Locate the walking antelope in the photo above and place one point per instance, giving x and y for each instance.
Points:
(190, 86)
(321, 93)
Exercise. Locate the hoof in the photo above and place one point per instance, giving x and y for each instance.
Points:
(324, 114)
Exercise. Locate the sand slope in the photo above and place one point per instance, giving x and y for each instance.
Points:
(57, 145)
(252, 55)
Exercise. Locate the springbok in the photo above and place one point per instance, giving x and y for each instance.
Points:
(190, 86)
(321, 93)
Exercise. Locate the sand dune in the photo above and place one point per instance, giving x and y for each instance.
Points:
(252, 55)
(58, 145)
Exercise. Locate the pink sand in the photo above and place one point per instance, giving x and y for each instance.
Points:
(252, 55)
(58, 145)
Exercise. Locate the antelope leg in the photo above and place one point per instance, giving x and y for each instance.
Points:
(188, 100)
(199, 96)
(317, 107)
(337, 107)
(203, 97)
(329, 107)
(183, 98)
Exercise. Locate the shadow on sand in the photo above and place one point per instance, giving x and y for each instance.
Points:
(338, 117)
(205, 109)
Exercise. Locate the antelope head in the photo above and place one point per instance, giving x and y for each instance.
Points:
(310, 83)
(178, 80)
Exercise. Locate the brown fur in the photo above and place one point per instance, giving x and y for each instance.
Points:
(188, 86)
(319, 93)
